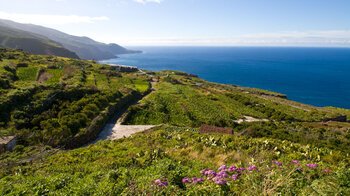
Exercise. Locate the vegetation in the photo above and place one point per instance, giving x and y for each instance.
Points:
(31, 42)
(138, 166)
(42, 40)
(179, 101)
(53, 104)
(48, 100)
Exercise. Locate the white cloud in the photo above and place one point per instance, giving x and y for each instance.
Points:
(45, 19)
(148, 1)
(336, 38)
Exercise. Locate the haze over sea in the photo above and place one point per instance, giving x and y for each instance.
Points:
(315, 76)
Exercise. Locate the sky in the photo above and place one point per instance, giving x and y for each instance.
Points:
(192, 22)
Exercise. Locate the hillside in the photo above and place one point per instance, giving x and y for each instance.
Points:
(84, 47)
(30, 42)
(55, 106)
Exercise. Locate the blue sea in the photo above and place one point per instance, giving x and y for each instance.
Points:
(316, 76)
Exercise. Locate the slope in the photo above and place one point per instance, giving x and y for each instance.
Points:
(30, 42)
(84, 47)
(72, 103)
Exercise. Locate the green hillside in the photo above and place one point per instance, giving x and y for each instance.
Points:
(30, 42)
(84, 47)
(52, 100)
(55, 106)
(136, 165)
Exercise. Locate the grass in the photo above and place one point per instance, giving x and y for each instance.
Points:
(111, 167)
(82, 97)
(78, 93)
(56, 75)
(141, 85)
(183, 104)
(27, 73)
(102, 81)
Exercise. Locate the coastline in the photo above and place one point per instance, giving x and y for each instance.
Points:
(296, 72)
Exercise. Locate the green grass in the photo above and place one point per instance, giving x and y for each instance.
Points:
(340, 110)
(115, 82)
(102, 81)
(27, 73)
(180, 104)
(40, 114)
(90, 79)
(56, 75)
(141, 85)
(110, 167)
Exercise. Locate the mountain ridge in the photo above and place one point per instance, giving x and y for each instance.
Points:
(31, 42)
(84, 47)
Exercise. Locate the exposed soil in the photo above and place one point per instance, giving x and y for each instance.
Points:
(115, 130)
(250, 119)
(43, 77)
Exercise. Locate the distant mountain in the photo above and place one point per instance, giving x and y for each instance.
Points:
(84, 47)
(31, 42)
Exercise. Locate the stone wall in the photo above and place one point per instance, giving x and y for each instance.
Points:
(11, 145)
(7, 143)
(2, 148)
(98, 123)
(124, 68)
(338, 119)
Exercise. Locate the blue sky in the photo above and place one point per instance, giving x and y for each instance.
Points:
(192, 22)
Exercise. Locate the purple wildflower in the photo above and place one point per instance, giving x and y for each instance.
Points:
(157, 181)
(299, 168)
(326, 171)
(200, 180)
(161, 182)
(252, 168)
(277, 162)
(132, 184)
(222, 167)
(185, 180)
(212, 173)
(222, 174)
(312, 165)
(295, 161)
(203, 171)
(220, 181)
(235, 177)
(232, 168)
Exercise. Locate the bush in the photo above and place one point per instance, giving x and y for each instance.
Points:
(18, 148)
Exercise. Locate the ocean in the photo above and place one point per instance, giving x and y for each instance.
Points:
(315, 76)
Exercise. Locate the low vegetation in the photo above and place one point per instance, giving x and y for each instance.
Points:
(171, 160)
(54, 104)
(53, 109)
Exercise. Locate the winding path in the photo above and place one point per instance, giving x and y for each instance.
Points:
(115, 130)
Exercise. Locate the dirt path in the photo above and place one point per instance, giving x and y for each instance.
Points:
(115, 130)
(250, 119)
